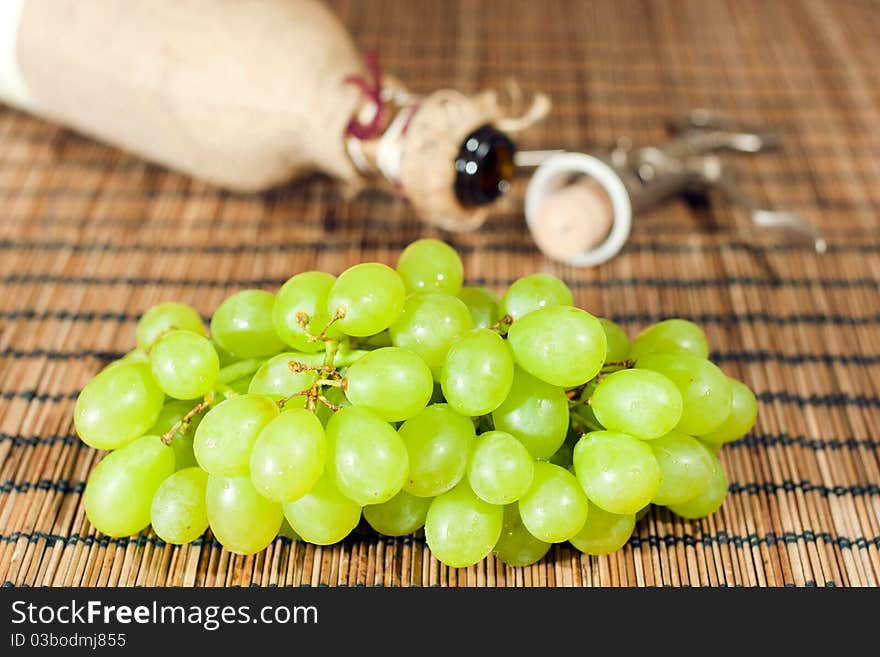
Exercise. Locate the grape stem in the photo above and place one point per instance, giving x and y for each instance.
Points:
(331, 348)
(303, 319)
(183, 423)
(313, 394)
(329, 404)
(574, 394)
(616, 366)
(239, 370)
(297, 368)
(502, 325)
(301, 393)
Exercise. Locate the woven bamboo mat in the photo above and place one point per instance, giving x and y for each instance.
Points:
(90, 237)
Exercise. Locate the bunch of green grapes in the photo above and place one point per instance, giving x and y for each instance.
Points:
(404, 398)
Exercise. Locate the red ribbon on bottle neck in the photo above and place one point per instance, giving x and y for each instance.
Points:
(371, 87)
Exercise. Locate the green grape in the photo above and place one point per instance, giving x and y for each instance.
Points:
(616, 340)
(184, 364)
(461, 529)
(438, 442)
(117, 406)
(478, 373)
(428, 265)
(563, 456)
(603, 532)
(670, 336)
(275, 380)
(120, 490)
(685, 468)
(165, 317)
(482, 304)
(178, 512)
(533, 292)
(402, 514)
(288, 456)
(243, 325)
(133, 356)
(371, 296)
(394, 383)
(562, 345)
(366, 458)
(287, 531)
(642, 403)
(618, 472)
(226, 435)
(516, 546)
(429, 324)
(740, 420)
(710, 500)
(500, 469)
(536, 413)
(182, 443)
(641, 513)
(242, 520)
(705, 390)
(554, 508)
(323, 516)
(304, 293)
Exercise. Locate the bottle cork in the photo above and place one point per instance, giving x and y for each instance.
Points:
(573, 219)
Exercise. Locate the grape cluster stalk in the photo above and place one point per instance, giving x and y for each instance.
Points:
(403, 398)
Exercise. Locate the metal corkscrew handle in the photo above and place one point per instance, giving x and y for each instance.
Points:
(689, 161)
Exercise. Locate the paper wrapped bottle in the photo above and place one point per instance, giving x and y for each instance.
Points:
(248, 95)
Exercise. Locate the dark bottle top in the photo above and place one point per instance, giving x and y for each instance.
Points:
(483, 166)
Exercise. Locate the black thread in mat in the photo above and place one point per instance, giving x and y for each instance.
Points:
(328, 243)
(631, 281)
(499, 223)
(751, 441)
(55, 485)
(636, 541)
(33, 440)
(783, 439)
(724, 319)
(754, 540)
(750, 488)
(766, 396)
(744, 356)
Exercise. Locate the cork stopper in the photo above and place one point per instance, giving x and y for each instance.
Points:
(574, 219)
(578, 209)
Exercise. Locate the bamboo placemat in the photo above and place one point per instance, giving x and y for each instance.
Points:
(90, 237)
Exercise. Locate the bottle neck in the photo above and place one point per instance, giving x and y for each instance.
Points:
(484, 166)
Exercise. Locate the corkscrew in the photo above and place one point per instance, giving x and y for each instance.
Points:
(579, 207)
